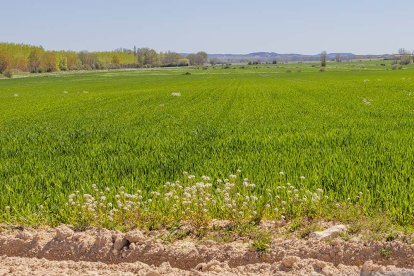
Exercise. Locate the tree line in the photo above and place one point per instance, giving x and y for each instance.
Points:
(35, 59)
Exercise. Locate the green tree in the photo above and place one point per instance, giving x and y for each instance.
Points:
(115, 60)
(170, 58)
(63, 64)
(323, 58)
(183, 62)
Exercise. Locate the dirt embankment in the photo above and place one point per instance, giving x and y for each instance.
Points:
(61, 251)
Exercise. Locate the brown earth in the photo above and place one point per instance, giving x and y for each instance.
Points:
(61, 251)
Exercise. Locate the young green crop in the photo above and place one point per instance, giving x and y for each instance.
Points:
(348, 130)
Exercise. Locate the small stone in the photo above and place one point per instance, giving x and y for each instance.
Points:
(153, 273)
(24, 235)
(327, 271)
(368, 268)
(330, 232)
(209, 242)
(63, 232)
(135, 237)
(201, 267)
(289, 261)
(119, 243)
(320, 265)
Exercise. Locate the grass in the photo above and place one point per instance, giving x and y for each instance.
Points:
(348, 131)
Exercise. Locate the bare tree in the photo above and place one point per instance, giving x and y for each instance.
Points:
(147, 57)
(214, 61)
(3, 62)
(202, 57)
(405, 56)
(198, 59)
(170, 58)
(323, 58)
(338, 58)
(49, 62)
(35, 60)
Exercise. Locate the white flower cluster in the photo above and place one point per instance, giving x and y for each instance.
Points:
(194, 198)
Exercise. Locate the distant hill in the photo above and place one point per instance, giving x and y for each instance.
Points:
(272, 56)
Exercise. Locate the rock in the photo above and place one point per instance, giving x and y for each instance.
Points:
(209, 242)
(319, 265)
(330, 232)
(201, 267)
(24, 235)
(119, 243)
(213, 265)
(165, 268)
(135, 237)
(220, 223)
(369, 268)
(289, 261)
(63, 232)
(153, 273)
(329, 271)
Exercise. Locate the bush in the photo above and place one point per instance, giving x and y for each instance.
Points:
(288, 71)
(396, 67)
(323, 69)
(8, 73)
(187, 73)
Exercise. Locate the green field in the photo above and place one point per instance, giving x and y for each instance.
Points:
(348, 131)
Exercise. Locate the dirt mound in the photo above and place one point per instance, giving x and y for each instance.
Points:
(64, 251)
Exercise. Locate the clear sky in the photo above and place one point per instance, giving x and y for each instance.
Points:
(215, 26)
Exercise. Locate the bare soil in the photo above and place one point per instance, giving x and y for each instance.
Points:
(61, 251)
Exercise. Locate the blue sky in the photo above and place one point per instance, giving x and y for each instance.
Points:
(216, 26)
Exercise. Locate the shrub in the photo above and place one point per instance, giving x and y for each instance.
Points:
(288, 71)
(396, 67)
(187, 73)
(8, 73)
(323, 69)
